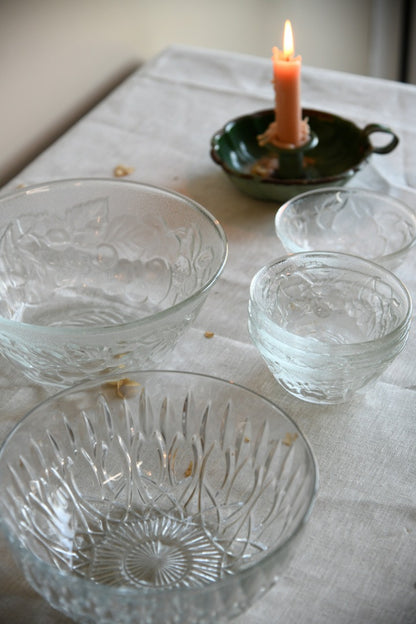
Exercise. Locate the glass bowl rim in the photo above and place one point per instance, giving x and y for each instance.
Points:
(282, 211)
(319, 347)
(73, 331)
(133, 593)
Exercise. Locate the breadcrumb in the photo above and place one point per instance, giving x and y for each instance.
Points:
(121, 171)
(290, 438)
(124, 388)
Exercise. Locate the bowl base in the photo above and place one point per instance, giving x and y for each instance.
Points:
(149, 549)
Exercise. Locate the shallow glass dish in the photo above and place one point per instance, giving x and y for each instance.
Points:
(327, 324)
(156, 497)
(357, 221)
(339, 151)
(101, 275)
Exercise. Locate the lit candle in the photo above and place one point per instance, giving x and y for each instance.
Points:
(286, 69)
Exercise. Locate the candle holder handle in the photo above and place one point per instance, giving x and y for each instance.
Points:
(382, 149)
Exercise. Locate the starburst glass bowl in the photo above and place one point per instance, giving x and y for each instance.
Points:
(158, 497)
(101, 275)
(363, 222)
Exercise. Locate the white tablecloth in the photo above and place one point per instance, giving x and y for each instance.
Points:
(357, 561)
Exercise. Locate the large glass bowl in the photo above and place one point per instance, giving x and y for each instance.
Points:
(158, 497)
(327, 324)
(351, 220)
(101, 275)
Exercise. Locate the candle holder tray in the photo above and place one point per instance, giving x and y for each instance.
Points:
(339, 149)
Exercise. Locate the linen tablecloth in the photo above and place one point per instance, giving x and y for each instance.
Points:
(357, 561)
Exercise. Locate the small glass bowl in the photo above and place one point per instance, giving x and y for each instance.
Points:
(356, 221)
(156, 497)
(101, 275)
(327, 323)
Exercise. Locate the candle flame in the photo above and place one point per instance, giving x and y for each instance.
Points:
(288, 44)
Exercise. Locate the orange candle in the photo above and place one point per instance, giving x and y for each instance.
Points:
(286, 69)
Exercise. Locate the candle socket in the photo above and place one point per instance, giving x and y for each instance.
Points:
(291, 160)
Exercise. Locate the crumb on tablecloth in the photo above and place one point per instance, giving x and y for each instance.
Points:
(121, 171)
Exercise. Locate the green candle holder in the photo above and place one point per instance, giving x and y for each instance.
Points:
(337, 149)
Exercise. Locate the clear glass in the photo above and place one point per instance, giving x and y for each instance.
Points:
(98, 275)
(327, 323)
(156, 497)
(350, 220)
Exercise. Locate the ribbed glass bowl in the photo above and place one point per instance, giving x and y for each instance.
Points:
(101, 275)
(327, 324)
(158, 497)
(350, 220)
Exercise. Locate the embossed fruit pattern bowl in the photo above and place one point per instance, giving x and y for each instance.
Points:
(101, 275)
(357, 221)
(328, 323)
(156, 497)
